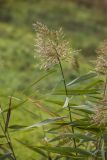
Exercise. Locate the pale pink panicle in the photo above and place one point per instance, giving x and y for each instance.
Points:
(99, 117)
(101, 63)
(51, 45)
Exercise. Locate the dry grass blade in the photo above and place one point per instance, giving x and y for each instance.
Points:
(39, 105)
(46, 110)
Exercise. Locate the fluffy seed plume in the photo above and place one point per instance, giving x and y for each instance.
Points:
(99, 117)
(51, 45)
(101, 63)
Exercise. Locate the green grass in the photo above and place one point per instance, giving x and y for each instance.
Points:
(84, 28)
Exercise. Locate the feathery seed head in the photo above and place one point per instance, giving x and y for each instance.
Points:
(101, 63)
(102, 49)
(99, 117)
(51, 45)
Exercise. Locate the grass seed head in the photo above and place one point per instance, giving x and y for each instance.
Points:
(51, 45)
(101, 63)
(99, 117)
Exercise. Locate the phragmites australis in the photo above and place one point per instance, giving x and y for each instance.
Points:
(99, 117)
(51, 46)
(101, 63)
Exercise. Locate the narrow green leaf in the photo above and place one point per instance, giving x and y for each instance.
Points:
(83, 78)
(59, 102)
(33, 114)
(15, 106)
(82, 108)
(15, 127)
(71, 135)
(42, 123)
(77, 92)
(39, 79)
(35, 149)
(93, 84)
(68, 151)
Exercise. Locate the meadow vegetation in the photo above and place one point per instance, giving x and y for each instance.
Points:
(52, 98)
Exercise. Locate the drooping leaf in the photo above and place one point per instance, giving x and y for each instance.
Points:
(59, 102)
(15, 106)
(71, 135)
(83, 78)
(68, 151)
(82, 108)
(35, 149)
(93, 84)
(42, 123)
(44, 108)
(15, 127)
(77, 92)
(40, 78)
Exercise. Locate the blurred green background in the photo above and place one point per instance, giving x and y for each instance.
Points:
(84, 23)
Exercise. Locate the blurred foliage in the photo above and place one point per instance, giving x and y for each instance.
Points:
(84, 31)
(78, 21)
(100, 4)
(85, 26)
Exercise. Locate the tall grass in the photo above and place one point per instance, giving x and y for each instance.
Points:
(5, 134)
(73, 118)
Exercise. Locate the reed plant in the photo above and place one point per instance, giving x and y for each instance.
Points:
(73, 117)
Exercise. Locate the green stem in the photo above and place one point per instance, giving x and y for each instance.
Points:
(7, 136)
(69, 109)
(66, 92)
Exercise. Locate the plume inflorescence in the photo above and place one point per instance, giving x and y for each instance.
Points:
(101, 64)
(51, 45)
